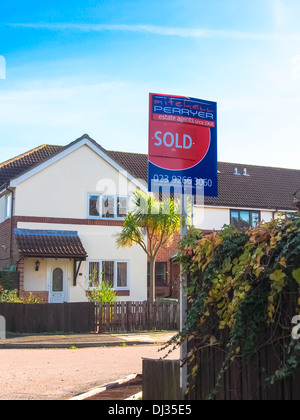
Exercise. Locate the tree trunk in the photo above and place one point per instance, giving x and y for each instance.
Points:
(152, 280)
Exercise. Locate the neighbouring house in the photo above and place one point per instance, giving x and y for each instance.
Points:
(60, 208)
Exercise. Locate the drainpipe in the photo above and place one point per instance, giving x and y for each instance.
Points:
(11, 225)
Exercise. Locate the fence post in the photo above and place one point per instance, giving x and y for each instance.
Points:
(129, 316)
(161, 380)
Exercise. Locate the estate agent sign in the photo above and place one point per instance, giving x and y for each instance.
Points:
(182, 144)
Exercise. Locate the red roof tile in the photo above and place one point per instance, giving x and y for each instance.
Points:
(51, 244)
(16, 166)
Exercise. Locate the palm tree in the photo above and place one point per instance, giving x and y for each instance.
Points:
(151, 225)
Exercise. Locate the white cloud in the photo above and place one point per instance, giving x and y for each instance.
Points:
(2, 67)
(296, 67)
(280, 12)
(164, 31)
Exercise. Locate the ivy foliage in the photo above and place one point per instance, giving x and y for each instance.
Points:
(240, 284)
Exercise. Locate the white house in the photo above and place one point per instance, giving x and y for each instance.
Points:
(59, 217)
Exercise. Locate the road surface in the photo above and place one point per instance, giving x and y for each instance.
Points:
(54, 374)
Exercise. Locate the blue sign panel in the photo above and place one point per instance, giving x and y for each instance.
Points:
(183, 144)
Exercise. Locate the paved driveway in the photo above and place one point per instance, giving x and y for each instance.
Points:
(51, 374)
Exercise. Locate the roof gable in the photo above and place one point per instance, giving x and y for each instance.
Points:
(44, 160)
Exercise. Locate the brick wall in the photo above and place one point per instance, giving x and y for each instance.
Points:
(42, 296)
(6, 228)
(5, 234)
(67, 221)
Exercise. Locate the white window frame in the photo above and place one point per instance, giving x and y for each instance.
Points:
(115, 273)
(100, 197)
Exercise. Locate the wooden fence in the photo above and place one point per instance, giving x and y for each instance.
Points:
(48, 317)
(137, 316)
(89, 317)
(243, 380)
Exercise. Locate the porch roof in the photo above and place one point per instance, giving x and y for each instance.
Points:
(50, 243)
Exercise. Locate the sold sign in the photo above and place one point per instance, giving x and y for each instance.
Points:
(182, 141)
(177, 146)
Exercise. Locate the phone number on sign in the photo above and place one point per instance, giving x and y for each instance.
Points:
(182, 180)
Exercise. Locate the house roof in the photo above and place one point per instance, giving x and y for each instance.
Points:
(135, 163)
(240, 185)
(49, 243)
(261, 187)
(18, 165)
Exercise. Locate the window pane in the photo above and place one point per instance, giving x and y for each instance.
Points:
(57, 280)
(108, 272)
(94, 205)
(255, 219)
(245, 216)
(122, 274)
(244, 222)
(234, 218)
(108, 206)
(161, 273)
(121, 206)
(94, 274)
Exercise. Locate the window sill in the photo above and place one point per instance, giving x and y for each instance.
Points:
(105, 218)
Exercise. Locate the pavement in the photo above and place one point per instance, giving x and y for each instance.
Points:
(50, 341)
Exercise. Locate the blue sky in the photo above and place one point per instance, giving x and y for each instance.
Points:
(86, 66)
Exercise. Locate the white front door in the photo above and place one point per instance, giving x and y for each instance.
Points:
(57, 275)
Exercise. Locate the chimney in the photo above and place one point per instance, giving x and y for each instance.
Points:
(236, 172)
(245, 172)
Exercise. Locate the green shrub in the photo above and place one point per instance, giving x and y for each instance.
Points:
(11, 296)
(9, 280)
(104, 293)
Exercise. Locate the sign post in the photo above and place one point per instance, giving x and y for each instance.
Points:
(183, 161)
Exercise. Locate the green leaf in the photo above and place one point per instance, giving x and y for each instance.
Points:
(278, 280)
(278, 277)
(296, 275)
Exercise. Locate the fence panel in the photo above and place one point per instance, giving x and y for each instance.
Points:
(137, 316)
(49, 317)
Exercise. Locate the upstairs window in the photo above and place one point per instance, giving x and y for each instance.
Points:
(244, 219)
(107, 206)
